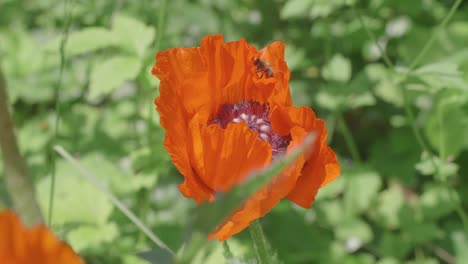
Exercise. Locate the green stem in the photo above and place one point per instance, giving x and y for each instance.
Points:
(159, 36)
(371, 35)
(19, 184)
(227, 253)
(63, 42)
(261, 246)
(431, 40)
(344, 129)
(463, 217)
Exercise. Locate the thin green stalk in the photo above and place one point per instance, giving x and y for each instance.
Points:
(161, 24)
(121, 206)
(344, 129)
(68, 14)
(463, 217)
(159, 36)
(371, 35)
(227, 253)
(431, 40)
(261, 245)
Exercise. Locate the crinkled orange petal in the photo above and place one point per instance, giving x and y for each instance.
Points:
(19, 245)
(322, 166)
(231, 154)
(264, 200)
(176, 141)
(203, 78)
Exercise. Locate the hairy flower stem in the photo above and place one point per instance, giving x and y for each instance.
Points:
(262, 248)
(19, 184)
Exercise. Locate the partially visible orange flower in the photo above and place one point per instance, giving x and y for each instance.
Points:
(19, 245)
(227, 110)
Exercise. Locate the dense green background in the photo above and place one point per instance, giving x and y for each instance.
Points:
(394, 203)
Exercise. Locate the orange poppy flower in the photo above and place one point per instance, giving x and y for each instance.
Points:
(19, 245)
(227, 110)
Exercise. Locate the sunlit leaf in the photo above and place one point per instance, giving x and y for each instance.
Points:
(133, 35)
(361, 189)
(109, 74)
(337, 69)
(76, 200)
(295, 8)
(89, 236)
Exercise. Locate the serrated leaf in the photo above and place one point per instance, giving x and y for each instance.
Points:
(438, 201)
(89, 236)
(441, 75)
(388, 206)
(109, 74)
(362, 188)
(354, 228)
(133, 35)
(295, 9)
(75, 200)
(89, 39)
(337, 69)
(394, 245)
(448, 124)
(460, 244)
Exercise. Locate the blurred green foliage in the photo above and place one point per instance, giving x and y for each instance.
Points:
(396, 201)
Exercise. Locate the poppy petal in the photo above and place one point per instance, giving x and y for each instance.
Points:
(224, 156)
(264, 200)
(37, 245)
(322, 165)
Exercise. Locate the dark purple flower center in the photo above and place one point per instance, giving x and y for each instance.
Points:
(255, 115)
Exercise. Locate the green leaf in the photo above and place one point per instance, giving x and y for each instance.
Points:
(362, 187)
(323, 8)
(399, 142)
(119, 181)
(354, 229)
(460, 244)
(89, 39)
(295, 9)
(329, 212)
(75, 200)
(133, 35)
(448, 124)
(438, 201)
(442, 170)
(89, 236)
(441, 75)
(109, 74)
(388, 90)
(388, 206)
(337, 69)
(332, 189)
(388, 261)
(394, 245)
(419, 232)
(157, 256)
(424, 261)
(360, 259)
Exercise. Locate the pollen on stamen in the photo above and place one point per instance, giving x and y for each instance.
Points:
(256, 116)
